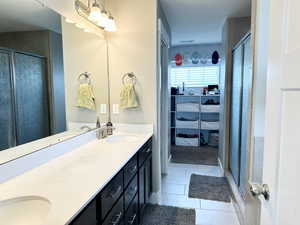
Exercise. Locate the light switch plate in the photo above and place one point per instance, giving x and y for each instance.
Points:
(103, 108)
(116, 109)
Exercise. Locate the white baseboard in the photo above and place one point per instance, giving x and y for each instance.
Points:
(221, 166)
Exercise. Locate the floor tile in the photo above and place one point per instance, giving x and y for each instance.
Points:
(175, 193)
(174, 189)
(209, 217)
(215, 205)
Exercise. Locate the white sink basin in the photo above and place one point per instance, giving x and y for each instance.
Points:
(121, 138)
(29, 210)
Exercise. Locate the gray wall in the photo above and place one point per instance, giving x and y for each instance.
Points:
(48, 44)
(233, 31)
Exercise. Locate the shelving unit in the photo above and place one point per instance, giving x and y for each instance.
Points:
(193, 121)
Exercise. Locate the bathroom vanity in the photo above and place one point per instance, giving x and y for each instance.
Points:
(81, 181)
(124, 198)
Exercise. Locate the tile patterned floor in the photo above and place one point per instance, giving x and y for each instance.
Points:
(175, 193)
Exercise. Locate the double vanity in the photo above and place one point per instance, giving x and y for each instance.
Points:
(123, 199)
(105, 181)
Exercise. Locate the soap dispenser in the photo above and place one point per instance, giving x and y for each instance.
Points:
(109, 127)
(98, 124)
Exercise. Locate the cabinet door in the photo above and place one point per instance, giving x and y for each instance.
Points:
(142, 188)
(87, 216)
(148, 179)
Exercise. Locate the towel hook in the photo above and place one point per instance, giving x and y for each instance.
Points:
(129, 77)
(85, 77)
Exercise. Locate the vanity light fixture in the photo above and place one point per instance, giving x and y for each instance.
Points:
(96, 14)
(104, 20)
(111, 25)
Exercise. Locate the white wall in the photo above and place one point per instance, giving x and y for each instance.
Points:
(83, 52)
(133, 48)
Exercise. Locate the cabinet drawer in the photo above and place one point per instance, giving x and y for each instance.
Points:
(131, 216)
(145, 152)
(110, 194)
(116, 215)
(130, 191)
(130, 170)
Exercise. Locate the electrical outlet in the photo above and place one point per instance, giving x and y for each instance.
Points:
(116, 109)
(103, 108)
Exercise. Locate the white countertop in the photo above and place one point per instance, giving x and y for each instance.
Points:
(71, 181)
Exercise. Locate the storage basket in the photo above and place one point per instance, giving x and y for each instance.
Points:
(210, 108)
(180, 141)
(209, 125)
(188, 107)
(213, 139)
(187, 124)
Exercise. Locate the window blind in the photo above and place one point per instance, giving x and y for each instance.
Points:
(200, 76)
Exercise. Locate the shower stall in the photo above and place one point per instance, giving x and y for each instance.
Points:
(24, 98)
(240, 112)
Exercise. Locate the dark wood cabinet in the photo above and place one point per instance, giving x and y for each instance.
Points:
(88, 216)
(123, 199)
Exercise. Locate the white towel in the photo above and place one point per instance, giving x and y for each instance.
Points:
(128, 98)
(86, 97)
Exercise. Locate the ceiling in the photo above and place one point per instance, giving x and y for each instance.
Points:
(201, 21)
(18, 15)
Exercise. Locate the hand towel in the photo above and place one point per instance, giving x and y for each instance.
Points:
(128, 98)
(86, 97)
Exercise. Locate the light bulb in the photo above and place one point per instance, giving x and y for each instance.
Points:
(111, 25)
(69, 21)
(104, 20)
(95, 13)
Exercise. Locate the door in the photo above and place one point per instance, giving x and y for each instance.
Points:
(282, 116)
(7, 137)
(236, 103)
(32, 105)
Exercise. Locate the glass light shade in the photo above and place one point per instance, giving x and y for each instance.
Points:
(103, 22)
(95, 13)
(111, 25)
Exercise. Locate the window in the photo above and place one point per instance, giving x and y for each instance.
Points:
(195, 76)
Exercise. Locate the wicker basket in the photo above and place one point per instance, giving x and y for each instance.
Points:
(210, 108)
(210, 125)
(187, 124)
(188, 107)
(187, 141)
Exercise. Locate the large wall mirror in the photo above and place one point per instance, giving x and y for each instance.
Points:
(52, 78)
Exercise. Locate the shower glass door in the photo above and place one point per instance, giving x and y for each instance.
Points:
(7, 131)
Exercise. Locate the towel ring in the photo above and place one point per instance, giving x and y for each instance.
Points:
(129, 78)
(85, 77)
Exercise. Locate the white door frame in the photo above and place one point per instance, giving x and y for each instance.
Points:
(163, 101)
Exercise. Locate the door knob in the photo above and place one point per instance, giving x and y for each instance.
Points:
(258, 189)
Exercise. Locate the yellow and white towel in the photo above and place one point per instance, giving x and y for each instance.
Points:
(86, 97)
(128, 98)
